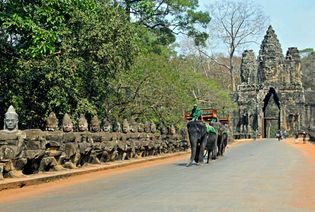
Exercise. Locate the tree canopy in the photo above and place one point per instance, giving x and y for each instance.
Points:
(110, 58)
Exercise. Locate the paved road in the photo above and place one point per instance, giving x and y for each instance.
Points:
(253, 176)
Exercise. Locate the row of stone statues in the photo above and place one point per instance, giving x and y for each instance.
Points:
(106, 126)
(33, 151)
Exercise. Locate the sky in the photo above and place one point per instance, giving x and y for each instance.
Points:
(292, 20)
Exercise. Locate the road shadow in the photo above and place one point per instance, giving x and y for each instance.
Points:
(181, 164)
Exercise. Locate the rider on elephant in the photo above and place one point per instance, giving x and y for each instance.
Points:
(196, 113)
(214, 119)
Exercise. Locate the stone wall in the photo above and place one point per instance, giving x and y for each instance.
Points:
(33, 151)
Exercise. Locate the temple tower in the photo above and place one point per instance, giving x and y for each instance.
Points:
(271, 92)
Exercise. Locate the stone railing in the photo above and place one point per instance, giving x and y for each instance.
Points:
(33, 151)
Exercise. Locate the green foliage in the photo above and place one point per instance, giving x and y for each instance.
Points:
(160, 89)
(306, 52)
(85, 57)
(167, 17)
(60, 56)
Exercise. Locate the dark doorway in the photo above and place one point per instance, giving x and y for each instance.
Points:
(271, 110)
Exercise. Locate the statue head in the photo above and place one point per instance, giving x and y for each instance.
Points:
(172, 130)
(116, 126)
(125, 126)
(83, 124)
(147, 127)
(153, 127)
(52, 122)
(140, 127)
(11, 120)
(67, 125)
(133, 126)
(95, 124)
(107, 126)
(163, 129)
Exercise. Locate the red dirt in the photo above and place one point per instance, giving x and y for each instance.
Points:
(304, 180)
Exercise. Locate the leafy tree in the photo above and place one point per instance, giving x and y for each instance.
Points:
(167, 18)
(306, 52)
(60, 56)
(161, 89)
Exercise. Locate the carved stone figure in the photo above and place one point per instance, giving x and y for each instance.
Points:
(67, 125)
(248, 67)
(83, 124)
(95, 124)
(163, 129)
(153, 127)
(133, 125)
(147, 127)
(11, 120)
(12, 145)
(125, 127)
(172, 130)
(107, 126)
(52, 122)
(116, 126)
(140, 127)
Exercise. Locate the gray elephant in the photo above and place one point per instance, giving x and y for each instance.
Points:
(198, 139)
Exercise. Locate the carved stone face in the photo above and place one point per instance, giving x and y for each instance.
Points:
(116, 127)
(67, 125)
(83, 124)
(125, 126)
(107, 126)
(95, 124)
(83, 127)
(52, 122)
(11, 121)
(172, 130)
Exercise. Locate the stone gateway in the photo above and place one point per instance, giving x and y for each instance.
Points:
(271, 93)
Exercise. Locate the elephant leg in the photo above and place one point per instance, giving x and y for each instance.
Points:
(193, 153)
(214, 150)
(197, 153)
(202, 149)
(209, 153)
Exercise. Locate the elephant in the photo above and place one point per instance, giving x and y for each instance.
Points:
(198, 139)
(211, 146)
(222, 143)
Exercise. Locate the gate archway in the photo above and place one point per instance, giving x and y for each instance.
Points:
(271, 113)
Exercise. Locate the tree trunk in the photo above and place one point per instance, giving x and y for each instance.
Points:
(231, 69)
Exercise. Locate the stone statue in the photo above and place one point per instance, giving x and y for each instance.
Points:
(153, 127)
(11, 120)
(107, 126)
(83, 124)
(125, 126)
(116, 126)
(172, 130)
(67, 125)
(140, 127)
(133, 125)
(12, 150)
(147, 127)
(163, 129)
(95, 124)
(52, 122)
